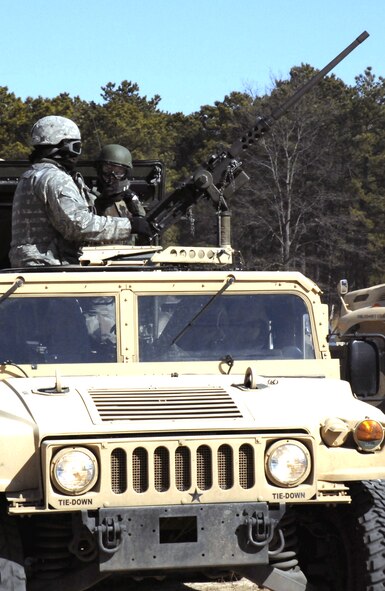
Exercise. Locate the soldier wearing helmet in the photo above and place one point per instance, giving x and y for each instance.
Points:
(115, 198)
(52, 214)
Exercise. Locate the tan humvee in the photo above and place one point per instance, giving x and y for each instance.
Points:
(361, 310)
(165, 413)
(158, 421)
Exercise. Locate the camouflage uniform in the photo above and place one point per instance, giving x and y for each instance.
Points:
(113, 194)
(52, 218)
(125, 204)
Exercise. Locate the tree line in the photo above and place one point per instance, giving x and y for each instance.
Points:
(315, 200)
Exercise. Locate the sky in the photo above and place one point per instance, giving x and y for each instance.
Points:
(189, 52)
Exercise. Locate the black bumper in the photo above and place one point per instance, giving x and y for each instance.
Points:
(174, 538)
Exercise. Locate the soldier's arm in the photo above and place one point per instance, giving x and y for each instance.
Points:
(69, 213)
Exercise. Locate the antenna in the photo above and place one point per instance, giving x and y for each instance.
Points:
(96, 130)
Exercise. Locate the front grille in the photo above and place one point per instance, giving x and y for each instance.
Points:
(225, 467)
(179, 403)
(161, 469)
(246, 466)
(118, 470)
(184, 467)
(139, 470)
(204, 467)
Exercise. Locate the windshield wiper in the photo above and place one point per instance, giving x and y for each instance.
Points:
(9, 362)
(18, 283)
(230, 280)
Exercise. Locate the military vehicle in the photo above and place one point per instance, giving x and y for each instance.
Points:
(168, 413)
(361, 315)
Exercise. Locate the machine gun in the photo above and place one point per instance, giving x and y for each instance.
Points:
(222, 175)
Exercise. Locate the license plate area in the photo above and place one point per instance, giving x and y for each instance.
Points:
(179, 537)
(178, 530)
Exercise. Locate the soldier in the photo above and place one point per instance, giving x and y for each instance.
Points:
(52, 215)
(114, 196)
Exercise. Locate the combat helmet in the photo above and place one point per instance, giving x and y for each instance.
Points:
(116, 154)
(53, 129)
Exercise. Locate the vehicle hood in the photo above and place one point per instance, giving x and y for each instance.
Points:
(155, 404)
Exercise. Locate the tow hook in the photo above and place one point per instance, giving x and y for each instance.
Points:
(109, 534)
(260, 530)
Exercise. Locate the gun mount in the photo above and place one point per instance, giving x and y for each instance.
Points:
(222, 175)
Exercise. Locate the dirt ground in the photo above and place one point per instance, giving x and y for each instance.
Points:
(117, 584)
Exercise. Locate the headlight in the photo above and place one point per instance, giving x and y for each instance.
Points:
(74, 470)
(288, 463)
(368, 435)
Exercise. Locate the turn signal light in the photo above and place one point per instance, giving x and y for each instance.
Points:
(368, 435)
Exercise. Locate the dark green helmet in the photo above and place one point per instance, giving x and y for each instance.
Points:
(116, 154)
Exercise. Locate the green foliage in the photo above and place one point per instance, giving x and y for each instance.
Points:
(315, 200)
(13, 128)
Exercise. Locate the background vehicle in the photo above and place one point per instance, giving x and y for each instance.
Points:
(361, 319)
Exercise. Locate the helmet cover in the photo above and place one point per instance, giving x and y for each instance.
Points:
(51, 130)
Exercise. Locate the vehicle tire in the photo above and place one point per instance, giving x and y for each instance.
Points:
(12, 572)
(342, 548)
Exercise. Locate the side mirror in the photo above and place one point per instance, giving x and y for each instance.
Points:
(342, 287)
(363, 367)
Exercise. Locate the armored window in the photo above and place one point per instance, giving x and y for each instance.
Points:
(244, 326)
(58, 330)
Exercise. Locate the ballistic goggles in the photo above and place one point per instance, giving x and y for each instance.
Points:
(117, 171)
(74, 147)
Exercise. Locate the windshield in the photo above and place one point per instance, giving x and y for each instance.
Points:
(242, 326)
(58, 330)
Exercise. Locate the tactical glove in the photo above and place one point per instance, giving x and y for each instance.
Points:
(140, 225)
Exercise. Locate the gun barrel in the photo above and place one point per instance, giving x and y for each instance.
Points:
(222, 175)
(313, 81)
